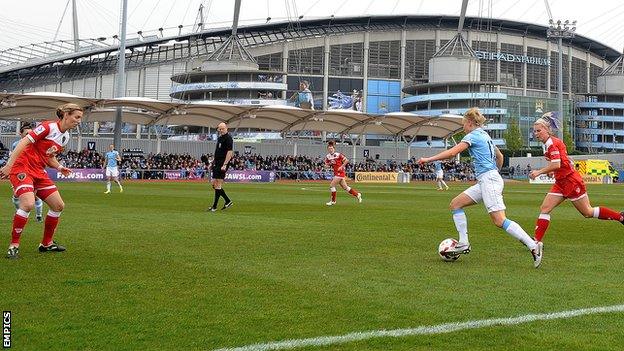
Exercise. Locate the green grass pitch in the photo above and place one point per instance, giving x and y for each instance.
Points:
(150, 269)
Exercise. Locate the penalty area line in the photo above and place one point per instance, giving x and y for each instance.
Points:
(423, 330)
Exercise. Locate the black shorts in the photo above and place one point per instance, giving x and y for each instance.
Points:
(217, 172)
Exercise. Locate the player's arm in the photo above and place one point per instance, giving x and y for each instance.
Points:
(117, 157)
(499, 158)
(19, 148)
(344, 163)
(550, 167)
(452, 152)
(553, 165)
(53, 162)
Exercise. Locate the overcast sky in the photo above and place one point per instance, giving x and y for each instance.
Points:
(33, 21)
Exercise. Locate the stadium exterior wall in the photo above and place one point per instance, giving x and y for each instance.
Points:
(352, 57)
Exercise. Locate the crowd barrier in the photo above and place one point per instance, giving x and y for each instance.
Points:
(97, 174)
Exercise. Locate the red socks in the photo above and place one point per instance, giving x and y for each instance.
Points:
(353, 192)
(51, 221)
(19, 222)
(603, 213)
(541, 225)
(607, 214)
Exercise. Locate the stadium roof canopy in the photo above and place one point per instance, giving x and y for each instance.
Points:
(35, 56)
(145, 111)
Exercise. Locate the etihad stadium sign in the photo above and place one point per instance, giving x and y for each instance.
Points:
(501, 56)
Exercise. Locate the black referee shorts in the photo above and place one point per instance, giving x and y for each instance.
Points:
(217, 172)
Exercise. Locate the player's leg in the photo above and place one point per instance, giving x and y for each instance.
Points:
(116, 179)
(115, 176)
(24, 191)
(584, 207)
(350, 190)
(492, 186)
(108, 181)
(15, 201)
(551, 200)
(52, 198)
(332, 188)
(39, 209)
(467, 198)
(443, 183)
(26, 199)
(515, 230)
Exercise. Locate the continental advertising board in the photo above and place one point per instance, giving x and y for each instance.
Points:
(376, 177)
(597, 179)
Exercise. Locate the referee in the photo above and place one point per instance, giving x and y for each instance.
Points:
(223, 155)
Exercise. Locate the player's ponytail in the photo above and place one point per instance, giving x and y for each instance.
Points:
(549, 121)
(67, 108)
(475, 116)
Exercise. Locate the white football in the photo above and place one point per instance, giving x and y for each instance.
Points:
(445, 248)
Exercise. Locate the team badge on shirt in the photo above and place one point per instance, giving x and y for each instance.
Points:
(21, 176)
(40, 129)
(52, 151)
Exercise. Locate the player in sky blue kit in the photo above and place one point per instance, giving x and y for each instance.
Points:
(25, 128)
(440, 176)
(112, 170)
(489, 188)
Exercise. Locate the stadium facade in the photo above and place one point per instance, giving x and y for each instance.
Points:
(383, 58)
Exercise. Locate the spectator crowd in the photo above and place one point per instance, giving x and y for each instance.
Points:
(162, 165)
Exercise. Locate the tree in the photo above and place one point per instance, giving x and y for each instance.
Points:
(567, 138)
(513, 137)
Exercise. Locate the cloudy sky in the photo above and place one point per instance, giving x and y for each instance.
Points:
(33, 21)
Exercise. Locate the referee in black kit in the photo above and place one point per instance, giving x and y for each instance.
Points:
(223, 155)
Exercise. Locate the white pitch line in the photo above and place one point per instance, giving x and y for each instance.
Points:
(424, 330)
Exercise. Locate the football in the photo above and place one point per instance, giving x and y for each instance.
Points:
(443, 250)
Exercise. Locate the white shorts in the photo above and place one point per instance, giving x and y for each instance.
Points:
(439, 174)
(112, 171)
(488, 189)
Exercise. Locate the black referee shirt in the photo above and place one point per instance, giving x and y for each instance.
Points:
(224, 144)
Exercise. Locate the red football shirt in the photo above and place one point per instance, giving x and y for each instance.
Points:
(336, 160)
(555, 149)
(47, 141)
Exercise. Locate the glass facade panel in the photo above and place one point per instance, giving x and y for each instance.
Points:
(383, 96)
(488, 67)
(536, 74)
(554, 68)
(346, 60)
(594, 71)
(384, 59)
(417, 56)
(511, 72)
(579, 76)
(270, 62)
(306, 61)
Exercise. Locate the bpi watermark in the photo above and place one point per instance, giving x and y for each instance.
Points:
(6, 329)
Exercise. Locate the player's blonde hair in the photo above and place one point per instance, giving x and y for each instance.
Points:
(67, 108)
(475, 116)
(548, 121)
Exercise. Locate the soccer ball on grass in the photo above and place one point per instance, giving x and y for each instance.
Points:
(445, 248)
